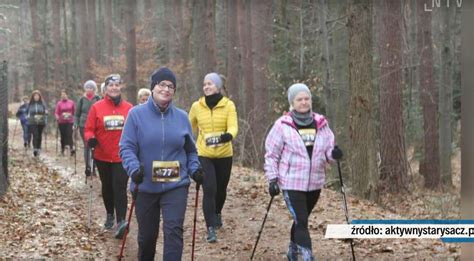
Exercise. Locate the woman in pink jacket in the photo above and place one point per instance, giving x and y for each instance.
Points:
(298, 147)
(65, 116)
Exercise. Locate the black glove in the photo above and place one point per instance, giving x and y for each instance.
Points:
(92, 142)
(88, 171)
(198, 176)
(226, 137)
(336, 153)
(273, 188)
(138, 175)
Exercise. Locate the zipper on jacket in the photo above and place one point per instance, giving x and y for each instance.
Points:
(163, 132)
(212, 121)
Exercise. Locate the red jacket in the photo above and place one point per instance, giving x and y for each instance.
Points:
(105, 122)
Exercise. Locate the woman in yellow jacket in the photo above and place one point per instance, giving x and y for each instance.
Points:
(214, 118)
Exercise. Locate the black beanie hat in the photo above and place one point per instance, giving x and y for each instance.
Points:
(160, 75)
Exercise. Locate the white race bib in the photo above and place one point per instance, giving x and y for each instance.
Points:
(308, 136)
(114, 122)
(165, 171)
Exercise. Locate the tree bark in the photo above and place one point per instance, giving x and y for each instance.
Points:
(394, 166)
(261, 18)
(206, 60)
(244, 24)
(92, 29)
(429, 167)
(66, 60)
(233, 70)
(325, 60)
(108, 32)
(38, 72)
(362, 130)
(56, 6)
(131, 79)
(84, 48)
(445, 96)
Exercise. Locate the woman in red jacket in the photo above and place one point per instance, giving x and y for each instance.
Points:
(103, 129)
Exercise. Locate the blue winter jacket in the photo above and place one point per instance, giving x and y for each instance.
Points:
(151, 135)
(22, 113)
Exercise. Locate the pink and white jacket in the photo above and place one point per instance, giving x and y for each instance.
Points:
(287, 159)
(65, 111)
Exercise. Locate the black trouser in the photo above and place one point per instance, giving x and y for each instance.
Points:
(37, 133)
(300, 204)
(65, 130)
(114, 181)
(216, 179)
(86, 148)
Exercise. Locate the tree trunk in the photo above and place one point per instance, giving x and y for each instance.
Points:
(38, 72)
(66, 56)
(429, 167)
(131, 79)
(261, 18)
(166, 41)
(84, 48)
(206, 43)
(92, 29)
(108, 32)
(394, 166)
(362, 131)
(186, 31)
(56, 6)
(233, 71)
(339, 82)
(325, 61)
(445, 96)
(244, 24)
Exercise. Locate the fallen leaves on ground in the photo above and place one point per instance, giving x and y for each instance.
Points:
(44, 215)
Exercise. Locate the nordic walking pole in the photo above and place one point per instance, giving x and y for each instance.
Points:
(134, 199)
(195, 220)
(75, 151)
(346, 211)
(14, 133)
(57, 127)
(45, 131)
(261, 228)
(90, 173)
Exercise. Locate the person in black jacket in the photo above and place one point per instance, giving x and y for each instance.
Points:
(37, 113)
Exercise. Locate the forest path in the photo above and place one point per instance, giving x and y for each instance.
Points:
(44, 215)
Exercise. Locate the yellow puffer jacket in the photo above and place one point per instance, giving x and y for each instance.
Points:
(211, 123)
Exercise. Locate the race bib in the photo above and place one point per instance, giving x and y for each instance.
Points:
(308, 136)
(165, 171)
(213, 139)
(66, 115)
(113, 122)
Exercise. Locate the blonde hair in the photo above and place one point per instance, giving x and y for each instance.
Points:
(142, 92)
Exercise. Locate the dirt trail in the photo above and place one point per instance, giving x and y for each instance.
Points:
(45, 215)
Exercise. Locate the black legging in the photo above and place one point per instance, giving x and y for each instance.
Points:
(300, 204)
(37, 133)
(65, 130)
(114, 181)
(216, 179)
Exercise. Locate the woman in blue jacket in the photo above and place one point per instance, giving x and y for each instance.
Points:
(22, 114)
(158, 136)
